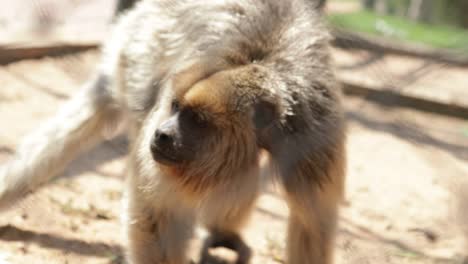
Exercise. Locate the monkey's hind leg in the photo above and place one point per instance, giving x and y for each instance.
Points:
(225, 213)
(313, 217)
(311, 229)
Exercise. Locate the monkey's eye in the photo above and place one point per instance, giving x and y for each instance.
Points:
(199, 119)
(175, 107)
(196, 119)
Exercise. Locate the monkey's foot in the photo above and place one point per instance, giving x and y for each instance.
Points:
(228, 241)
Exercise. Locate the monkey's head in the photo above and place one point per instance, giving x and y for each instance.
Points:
(214, 126)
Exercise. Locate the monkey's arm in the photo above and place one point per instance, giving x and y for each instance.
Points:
(158, 226)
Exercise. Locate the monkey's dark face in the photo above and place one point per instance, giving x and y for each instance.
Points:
(177, 139)
(213, 127)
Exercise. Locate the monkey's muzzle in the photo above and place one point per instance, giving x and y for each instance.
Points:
(163, 148)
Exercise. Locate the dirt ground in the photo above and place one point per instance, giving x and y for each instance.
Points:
(407, 172)
(405, 203)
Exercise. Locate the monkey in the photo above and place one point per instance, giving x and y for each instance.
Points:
(123, 5)
(206, 88)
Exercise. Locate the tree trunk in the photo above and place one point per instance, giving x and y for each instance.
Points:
(381, 7)
(401, 8)
(427, 14)
(368, 4)
(463, 7)
(414, 10)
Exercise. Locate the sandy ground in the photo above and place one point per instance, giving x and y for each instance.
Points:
(407, 172)
(39, 21)
(420, 78)
(407, 176)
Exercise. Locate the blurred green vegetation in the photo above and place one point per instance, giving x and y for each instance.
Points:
(440, 36)
(441, 12)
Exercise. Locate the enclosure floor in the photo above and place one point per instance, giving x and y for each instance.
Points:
(406, 185)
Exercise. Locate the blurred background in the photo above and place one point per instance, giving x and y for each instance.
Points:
(403, 65)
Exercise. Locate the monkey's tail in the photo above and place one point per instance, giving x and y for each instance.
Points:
(45, 153)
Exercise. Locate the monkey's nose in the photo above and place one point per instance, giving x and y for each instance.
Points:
(162, 138)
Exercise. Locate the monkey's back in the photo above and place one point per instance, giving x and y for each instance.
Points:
(166, 36)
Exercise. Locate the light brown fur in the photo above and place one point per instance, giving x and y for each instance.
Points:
(225, 99)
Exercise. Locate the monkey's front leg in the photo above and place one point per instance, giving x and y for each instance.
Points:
(159, 230)
(226, 211)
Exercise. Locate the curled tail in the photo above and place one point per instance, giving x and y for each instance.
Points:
(45, 153)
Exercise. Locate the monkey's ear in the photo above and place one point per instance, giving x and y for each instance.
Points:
(265, 113)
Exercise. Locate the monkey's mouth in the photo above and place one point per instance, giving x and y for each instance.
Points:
(163, 157)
